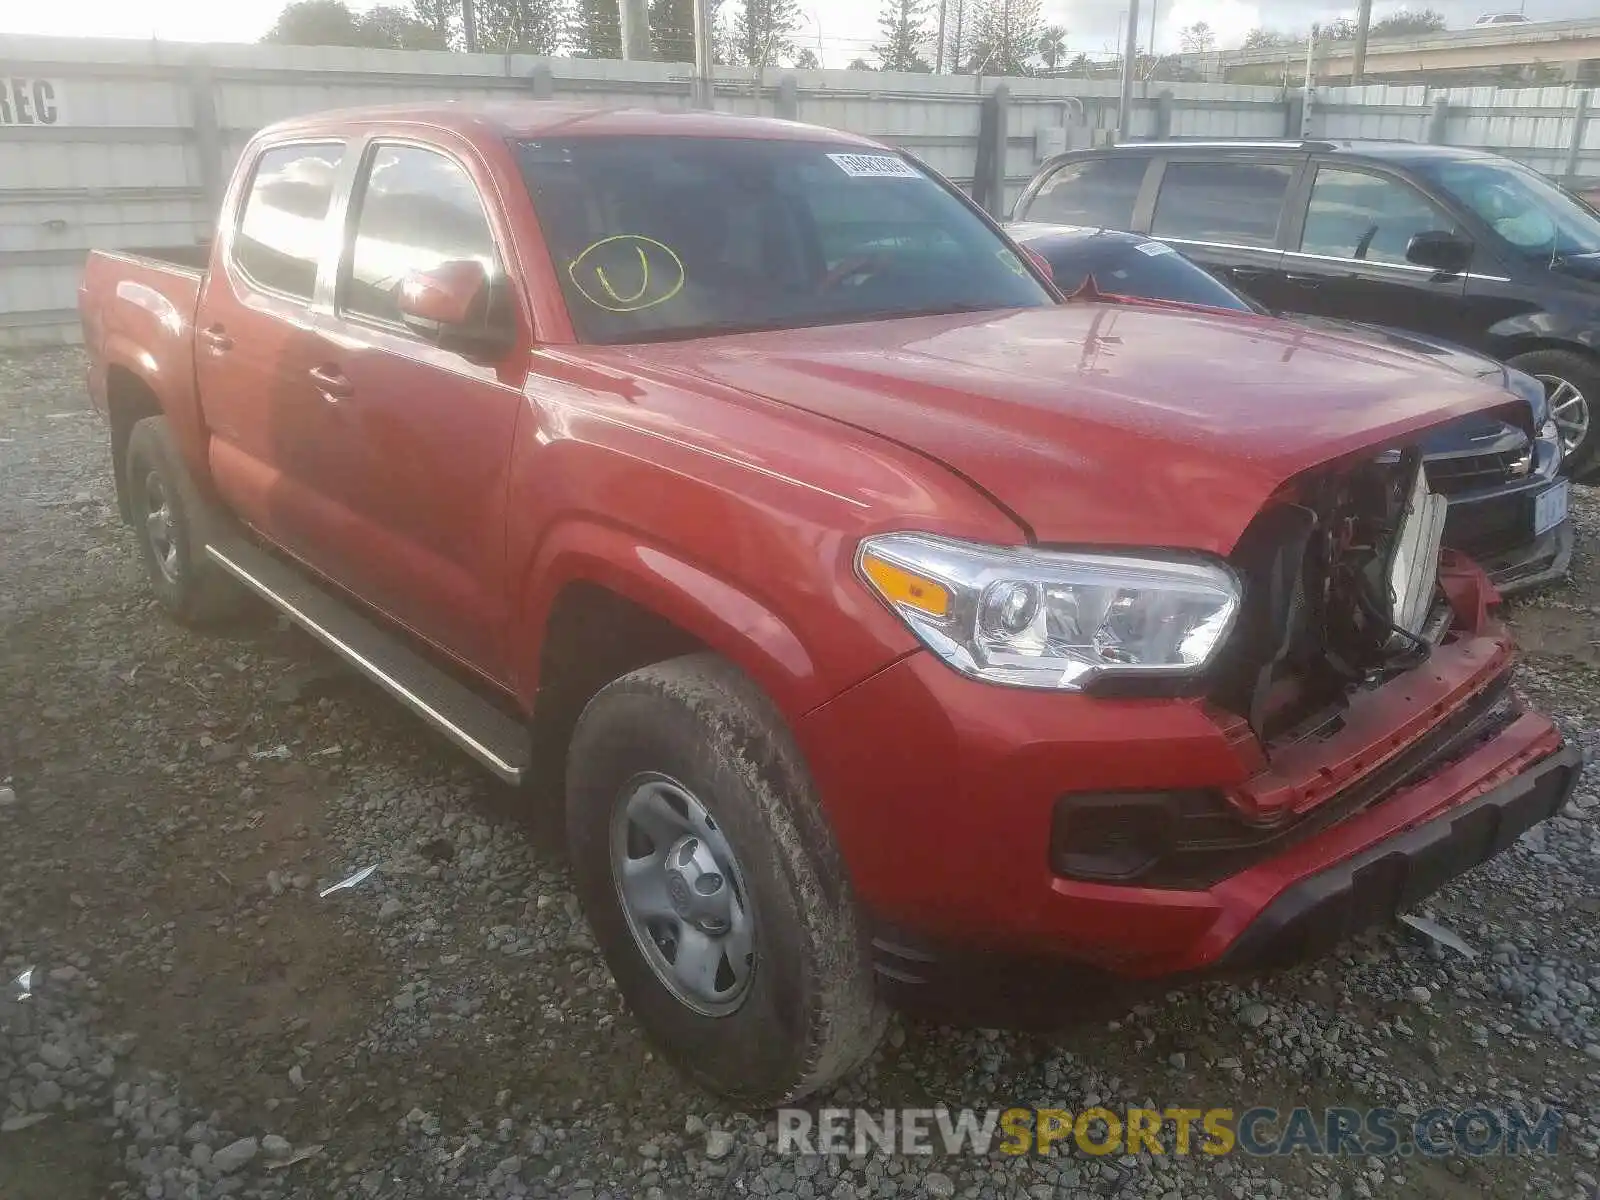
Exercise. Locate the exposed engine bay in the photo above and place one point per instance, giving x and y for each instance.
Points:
(1343, 590)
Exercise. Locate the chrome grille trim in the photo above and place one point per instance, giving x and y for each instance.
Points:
(1414, 565)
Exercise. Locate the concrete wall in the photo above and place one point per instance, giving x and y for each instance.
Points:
(119, 143)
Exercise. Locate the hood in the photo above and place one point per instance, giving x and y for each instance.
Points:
(1098, 424)
(1469, 435)
(1441, 353)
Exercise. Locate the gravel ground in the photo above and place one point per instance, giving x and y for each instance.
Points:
(200, 1021)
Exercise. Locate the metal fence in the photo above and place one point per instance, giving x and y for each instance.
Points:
(110, 143)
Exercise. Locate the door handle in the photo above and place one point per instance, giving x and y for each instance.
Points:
(330, 383)
(216, 337)
(1305, 281)
(1247, 274)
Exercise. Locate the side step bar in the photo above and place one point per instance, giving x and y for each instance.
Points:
(495, 739)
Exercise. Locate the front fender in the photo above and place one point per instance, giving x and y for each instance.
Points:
(718, 613)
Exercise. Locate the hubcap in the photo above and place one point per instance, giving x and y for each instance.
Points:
(683, 894)
(1568, 409)
(159, 527)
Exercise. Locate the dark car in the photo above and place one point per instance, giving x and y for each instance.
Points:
(1454, 244)
(1507, 507)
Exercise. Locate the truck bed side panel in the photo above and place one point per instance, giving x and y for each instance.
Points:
(138, 318)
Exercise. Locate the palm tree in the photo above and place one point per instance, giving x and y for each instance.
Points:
(1053, 45)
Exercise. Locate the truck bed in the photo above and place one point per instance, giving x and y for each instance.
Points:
(194, 257)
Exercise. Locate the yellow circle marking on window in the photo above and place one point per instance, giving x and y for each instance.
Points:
(655, 286)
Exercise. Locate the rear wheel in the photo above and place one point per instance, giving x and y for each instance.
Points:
(1572, 384)
(167, 511)
(711, 880)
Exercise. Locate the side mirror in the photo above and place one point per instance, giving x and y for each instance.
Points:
(452, 306)
(1449, 253)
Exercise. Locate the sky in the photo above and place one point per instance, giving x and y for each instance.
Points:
(844, 28)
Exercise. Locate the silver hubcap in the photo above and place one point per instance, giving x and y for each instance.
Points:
(158, 526)
(683, 894)
(1568, 409)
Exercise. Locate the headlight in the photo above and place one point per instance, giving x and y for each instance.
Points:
(1550, 433)
(1048, 619)
(1531, 390)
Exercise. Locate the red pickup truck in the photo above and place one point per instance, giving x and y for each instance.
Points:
(880, 609)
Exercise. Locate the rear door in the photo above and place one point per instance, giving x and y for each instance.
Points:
(1100, 192)
(254, 345)
(1226, 213)
(1347, 253)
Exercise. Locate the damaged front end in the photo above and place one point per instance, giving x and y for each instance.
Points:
(1343, 592)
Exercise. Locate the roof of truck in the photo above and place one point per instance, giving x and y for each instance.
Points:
(550, 118)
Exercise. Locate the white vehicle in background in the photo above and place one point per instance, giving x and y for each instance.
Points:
(1501, 19)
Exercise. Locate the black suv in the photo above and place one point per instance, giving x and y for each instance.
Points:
(1456, 244)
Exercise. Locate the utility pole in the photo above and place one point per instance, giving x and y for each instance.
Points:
(1307, 97)
(635, 20)
(1130, 51)
(704, 62)
(1358, 57)
(938, 52)
(469, 26)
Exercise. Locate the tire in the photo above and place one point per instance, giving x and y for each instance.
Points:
(1581, 375)
(807, 1012)
(167, 515)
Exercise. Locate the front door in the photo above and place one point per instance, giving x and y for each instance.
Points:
(1347, 256)
(424, 434)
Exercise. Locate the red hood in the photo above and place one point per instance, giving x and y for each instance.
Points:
(1099, 423)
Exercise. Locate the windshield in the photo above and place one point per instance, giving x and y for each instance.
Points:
(1532, 216)
(658, 237)
(1152, 270)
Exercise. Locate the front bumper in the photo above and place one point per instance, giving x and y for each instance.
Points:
(1545, 559)
(941, 792)
(1494, 527)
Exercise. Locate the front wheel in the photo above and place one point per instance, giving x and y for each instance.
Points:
(1572, 384)
(702, 859)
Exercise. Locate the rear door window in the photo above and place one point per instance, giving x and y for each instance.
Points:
(1231, 203)
(283, 225)
(1098, 192)
(1359, 215)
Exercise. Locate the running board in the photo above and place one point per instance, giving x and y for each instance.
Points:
(495, 739)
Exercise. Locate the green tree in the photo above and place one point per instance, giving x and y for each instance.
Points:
(763, 31)
(1005, 35)
(807, 60)
(316, 23)
(672, 29)
(859, 64)
(1052, 48)
(441, 16)
(524, 26)
(597, 30)
(1408, 23)
(1342, 30)
(1266, 39)
(1197, 38)
(957, 34)
(399, 29)
(903, 31)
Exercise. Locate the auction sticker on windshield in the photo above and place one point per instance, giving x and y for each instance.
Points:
(874, 166)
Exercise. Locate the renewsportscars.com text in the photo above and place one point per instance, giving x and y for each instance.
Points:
(1257, 1131)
